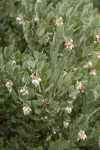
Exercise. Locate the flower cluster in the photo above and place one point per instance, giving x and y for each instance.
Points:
(69, 44)
(35, 80)
(9, 85)
(99, 143)
(36, 18)
(93, 72)
(39, 1)
(59, 21)
(89, 64)
(24, 91)
(68, 109)
(26, 110)
(79, 86)
(13, 62)
(65, 124)
(95, 93)
(49, 137)
(54, 131)
(72, 97)
(98, 55)
(20, 20)
(81, 135)
(47, 38)
(96, 38)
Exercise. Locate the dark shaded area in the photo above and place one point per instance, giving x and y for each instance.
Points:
(97, 4)
(10, 31)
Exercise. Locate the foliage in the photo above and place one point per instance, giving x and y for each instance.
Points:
(50, 93)
(97, 4)
(10, 31)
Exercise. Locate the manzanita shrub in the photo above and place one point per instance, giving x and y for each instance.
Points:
(50, 93)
